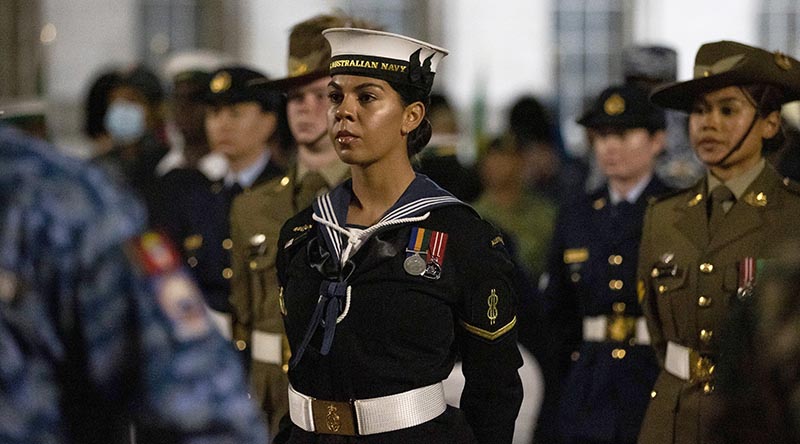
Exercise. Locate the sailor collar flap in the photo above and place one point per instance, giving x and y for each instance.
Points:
(330, 210)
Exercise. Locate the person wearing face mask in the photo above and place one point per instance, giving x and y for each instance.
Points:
(701, 247)
(135, 125)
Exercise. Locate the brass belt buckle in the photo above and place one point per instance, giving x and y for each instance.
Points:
(334, 418)
(701, 368)
(620, 328)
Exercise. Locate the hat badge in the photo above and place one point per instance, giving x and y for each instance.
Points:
(297, 68)
(614, 105)
(221, 82)
(783, 61)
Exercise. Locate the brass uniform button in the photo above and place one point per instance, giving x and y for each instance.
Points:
(662, 289)
(575, 277)
(618, 353)
(599, 204)
(706, 268)
(227, 273)
(705, 335)
(615, 259)
(618, 307)
(285, 181)
(654, 272)
(615, 284)
(227, 244)
(704, 301)
(653, 394)
(241, 345)
(258, 239)
(253, 265)
(708, 388)
(192, 261)
(574, 356)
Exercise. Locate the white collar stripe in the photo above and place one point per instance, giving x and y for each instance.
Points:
(326, 207)
(413, 207)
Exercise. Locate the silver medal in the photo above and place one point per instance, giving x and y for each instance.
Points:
(414, 265)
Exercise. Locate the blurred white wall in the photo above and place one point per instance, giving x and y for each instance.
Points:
(88, 36)
(687, 24)
(500, 49)
(265, 30)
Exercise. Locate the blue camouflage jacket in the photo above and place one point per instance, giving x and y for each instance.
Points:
(100, 327)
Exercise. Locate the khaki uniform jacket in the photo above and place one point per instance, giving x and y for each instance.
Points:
(687, 282)
(257, 216)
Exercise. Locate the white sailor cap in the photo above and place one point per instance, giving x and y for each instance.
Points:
(383, 55)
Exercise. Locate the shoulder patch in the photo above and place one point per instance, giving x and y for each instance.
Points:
(154, 254)
(175, 292)
(181, 302)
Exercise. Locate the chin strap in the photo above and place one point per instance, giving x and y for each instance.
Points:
(747, 133)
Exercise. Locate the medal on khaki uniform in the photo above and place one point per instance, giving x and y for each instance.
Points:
(748, 269)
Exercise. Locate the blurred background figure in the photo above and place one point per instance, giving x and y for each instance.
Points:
(521, 214)
(27, 115)
(257, 216)
(242, 125)
(787, 157)
(760, 358)
(439, 159)
(602, 368)
(188, 74)
(700, 247)
(549, 170)
(100, 325)
(95, 108)
(649, 66)
(526, 220)
(135, 122)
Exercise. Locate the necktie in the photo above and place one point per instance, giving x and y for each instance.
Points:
(719, 196)
(235, 189)
(312, 185)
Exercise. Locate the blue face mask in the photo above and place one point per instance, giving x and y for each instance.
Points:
(125, 121)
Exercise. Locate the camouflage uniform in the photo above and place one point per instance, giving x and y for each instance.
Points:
(90, 343)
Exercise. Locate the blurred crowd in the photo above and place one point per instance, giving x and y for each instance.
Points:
(195, 142)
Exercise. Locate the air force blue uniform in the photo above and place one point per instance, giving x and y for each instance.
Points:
(100, 326)
(603, 384)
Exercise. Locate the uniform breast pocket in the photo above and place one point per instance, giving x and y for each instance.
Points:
(669, 282)
(669, 288)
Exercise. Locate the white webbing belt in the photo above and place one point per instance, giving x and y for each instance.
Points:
(378, 415)
(266, 347)
(595, 329)
(677, 361)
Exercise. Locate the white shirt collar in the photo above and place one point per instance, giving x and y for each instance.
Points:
(246, 177)
(633, 194)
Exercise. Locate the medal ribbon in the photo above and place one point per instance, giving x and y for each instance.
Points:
(747, 272)
(419, 237)
(436, 247)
